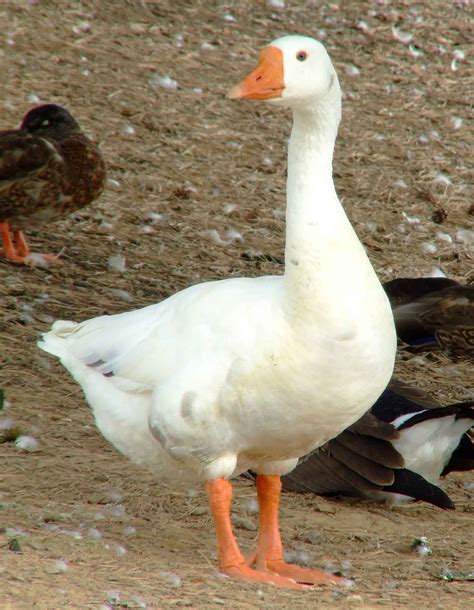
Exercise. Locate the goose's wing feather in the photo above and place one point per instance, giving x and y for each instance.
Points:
(143, 347)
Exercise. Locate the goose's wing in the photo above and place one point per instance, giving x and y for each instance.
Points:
(223, 320)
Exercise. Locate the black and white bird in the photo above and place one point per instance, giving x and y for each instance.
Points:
(397, 451)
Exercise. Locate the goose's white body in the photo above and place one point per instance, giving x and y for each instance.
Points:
(248, 373)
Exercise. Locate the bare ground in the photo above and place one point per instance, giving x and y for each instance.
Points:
(212, 173)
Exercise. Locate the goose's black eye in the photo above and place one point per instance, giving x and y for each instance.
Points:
(301, 55)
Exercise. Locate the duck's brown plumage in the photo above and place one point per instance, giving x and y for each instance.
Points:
(434, 313)
(48, 169)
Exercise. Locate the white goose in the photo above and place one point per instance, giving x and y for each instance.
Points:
(222, 376)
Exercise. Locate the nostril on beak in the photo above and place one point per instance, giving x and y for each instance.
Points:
(258, 78)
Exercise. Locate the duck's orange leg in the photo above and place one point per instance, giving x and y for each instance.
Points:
(9, 249)
(17, 250)
(24, 251)
(21, 245)
(231, 560)
(269, 553)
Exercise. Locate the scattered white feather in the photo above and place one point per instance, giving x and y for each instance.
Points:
(32, 98)
(114, 495)
(82, 27)
(43, 362)
(421, 546)
(105, 227)
(230, 236)
(403, 37)
(179, 40)
(229, 208)
(370, 226)
(163, 81)
(6, 422)
(251, 506)
(146, 229)
(466, 236)
(437, 272)
(459, 54)
(197, 90)
(442, 179)
(119, 550)
(58, 566)
(170, 578)
(456, 122)
(267, 161)
(362, 26)
(423, 138)
(454, 65)
(113, 597)
(411, 220)
(116, 263)
(207, 46)
(352, 70)
(115, 510)
(229, 18)
(115, 184)
(93, 533)
(420, 360)
(129, 530)
(37, 259)
(14, 532)
(302, 558)
(128, 130)
(85, 72)
(400, 184)
(155, 218)
(276, 4)
(42, 298)
(27, 443)
(123, 295)
(379, 137)
(415, 51)
(279, 213)
(428, 247)
(444, 237)
(233, 235)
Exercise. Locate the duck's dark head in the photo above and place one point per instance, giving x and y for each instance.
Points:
(50, 121)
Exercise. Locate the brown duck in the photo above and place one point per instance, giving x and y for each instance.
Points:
(48, 169)
(434, 313)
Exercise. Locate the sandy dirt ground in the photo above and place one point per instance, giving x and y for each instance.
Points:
(196, 191)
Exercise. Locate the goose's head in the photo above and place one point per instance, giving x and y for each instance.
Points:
(292, 71)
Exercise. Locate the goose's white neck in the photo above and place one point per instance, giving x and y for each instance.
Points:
(324, 259)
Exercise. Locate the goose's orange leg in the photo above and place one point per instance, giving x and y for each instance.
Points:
(269, 553)
(231, 560)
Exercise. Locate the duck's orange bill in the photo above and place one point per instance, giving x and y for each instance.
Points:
(266, 81)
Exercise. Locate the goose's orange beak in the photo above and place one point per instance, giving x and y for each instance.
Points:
(265, 82)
